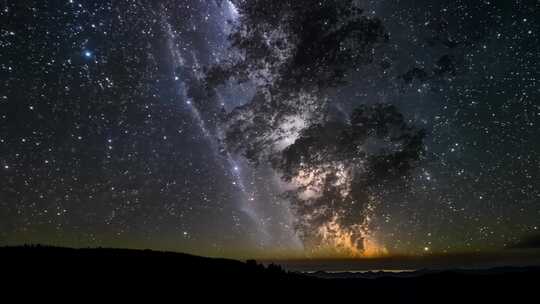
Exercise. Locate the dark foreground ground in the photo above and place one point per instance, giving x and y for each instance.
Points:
(156, 276)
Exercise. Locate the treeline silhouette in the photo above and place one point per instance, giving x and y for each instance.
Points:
(126, 260)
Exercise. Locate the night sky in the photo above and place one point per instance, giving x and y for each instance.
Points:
(113, 132)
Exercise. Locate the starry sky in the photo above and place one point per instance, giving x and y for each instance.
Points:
(109, 136)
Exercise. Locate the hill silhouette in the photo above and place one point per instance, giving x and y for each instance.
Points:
(144, 271)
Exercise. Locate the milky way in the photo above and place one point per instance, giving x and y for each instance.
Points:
(111, 136)
(214, 137)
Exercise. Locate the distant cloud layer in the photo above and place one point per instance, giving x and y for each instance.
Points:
(529, 242)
